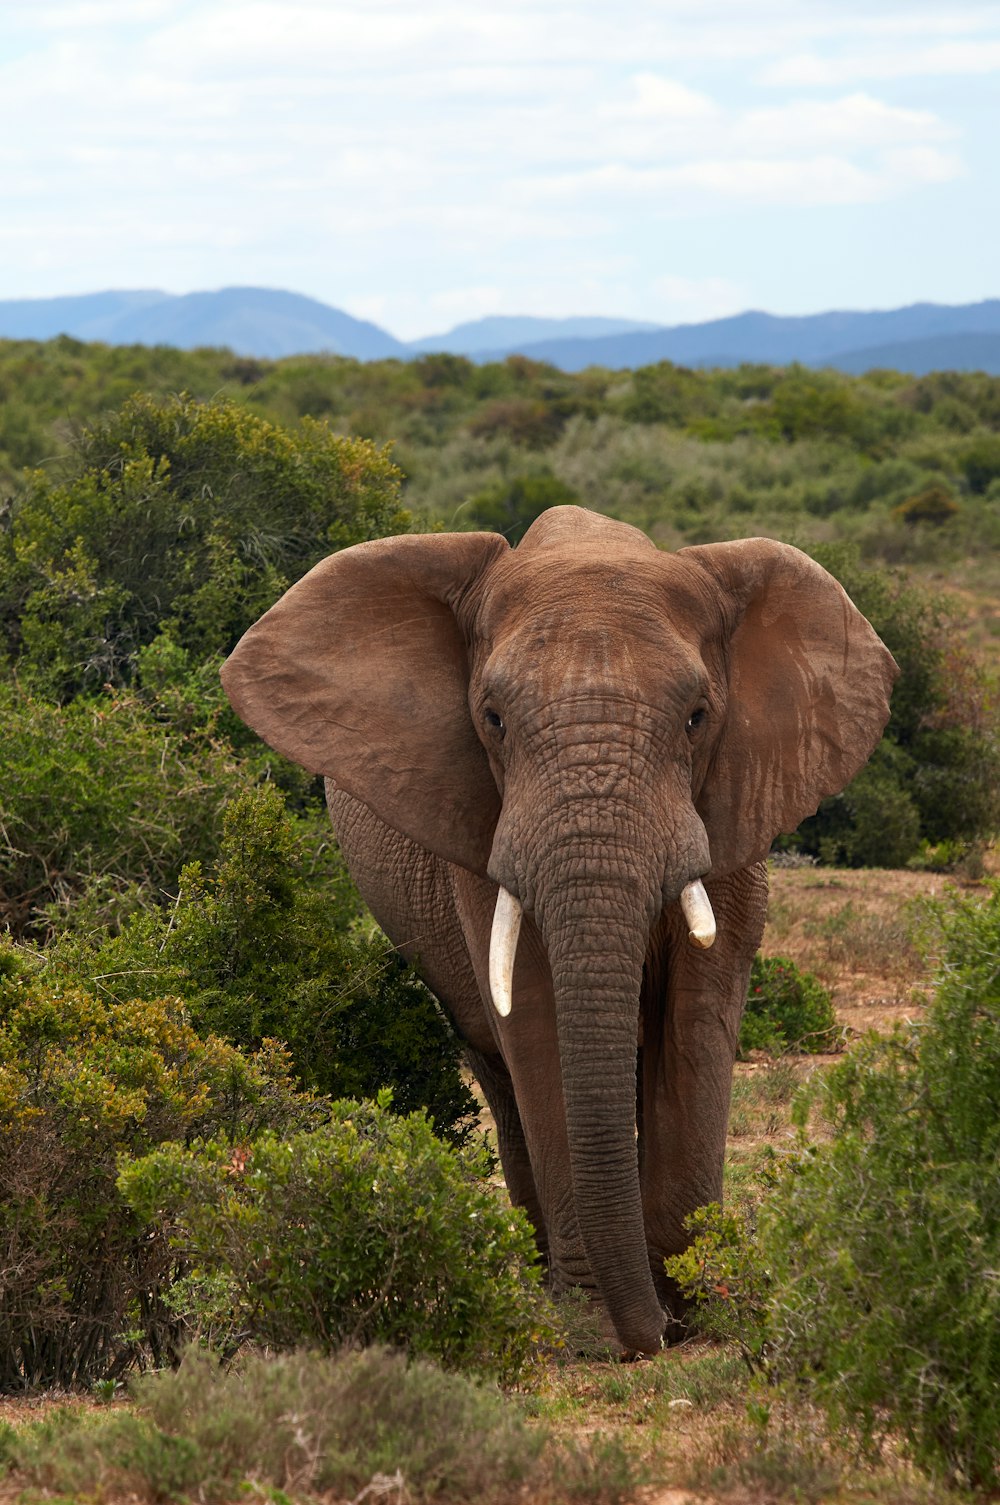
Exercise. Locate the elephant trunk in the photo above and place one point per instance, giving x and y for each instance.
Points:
(597, 973)
(593, 873)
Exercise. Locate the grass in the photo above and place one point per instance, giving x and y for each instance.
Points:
(867, 941)
(304, 1426)
(697, 1422)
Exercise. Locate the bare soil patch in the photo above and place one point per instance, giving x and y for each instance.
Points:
(858, 931)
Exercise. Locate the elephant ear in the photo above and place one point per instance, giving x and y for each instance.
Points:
(808, 697)
(360, 673)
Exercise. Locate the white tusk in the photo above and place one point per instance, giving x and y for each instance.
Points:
(697, 907)
(503, 949)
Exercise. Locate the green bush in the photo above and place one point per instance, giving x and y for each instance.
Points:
(267, 942)
(510, 507)
(100, 794)
(936, 774)
(367, 1229)
(786, 1009)
(352, 1426)
(722, 1274)
(884, 1244)
(83, 1081)
(180, 516)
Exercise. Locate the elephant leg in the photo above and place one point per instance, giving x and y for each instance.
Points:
(527, 1038)
(692, 1005)
(493, 1077)
(412, 895)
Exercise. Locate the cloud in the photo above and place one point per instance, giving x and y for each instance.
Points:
(807, 181)
(658, 98)
(950, 58)
(855, 121)
(467, 153)
(689, 300)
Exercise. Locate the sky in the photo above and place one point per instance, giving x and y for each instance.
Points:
(424, 162)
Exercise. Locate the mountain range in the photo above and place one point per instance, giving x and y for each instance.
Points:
(269, 323)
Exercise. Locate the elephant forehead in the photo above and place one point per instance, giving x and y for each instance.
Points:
(586, 630)
(625, 596)
(573, 588)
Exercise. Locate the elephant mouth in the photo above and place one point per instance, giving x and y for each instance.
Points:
(695, 905)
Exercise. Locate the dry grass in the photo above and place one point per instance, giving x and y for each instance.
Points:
(857, 930)
(973, 585)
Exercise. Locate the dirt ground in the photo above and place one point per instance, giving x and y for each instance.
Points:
(859, 932)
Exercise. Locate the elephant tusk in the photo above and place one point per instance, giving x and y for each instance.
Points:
(503, 949)
(697, 907)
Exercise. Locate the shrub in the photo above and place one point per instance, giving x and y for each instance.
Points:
(178, 515)
(368, 1229)
(353, 1426)
(98, 793)
(267, 943)
(786, 1009)
(934, 506)
(82, 1081)
(936, 774)
(884, 1244)
(528, 421)
(723, 1275)
(510, 507)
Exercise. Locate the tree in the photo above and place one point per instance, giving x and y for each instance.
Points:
(181, 516)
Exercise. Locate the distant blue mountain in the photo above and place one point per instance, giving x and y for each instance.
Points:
(942, 352)
(252, 321)
(812, 339)
(91, 316)
(268, 323)
(509, 333)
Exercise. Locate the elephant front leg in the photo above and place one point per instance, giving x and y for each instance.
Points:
(414, 897)
(691, 1014)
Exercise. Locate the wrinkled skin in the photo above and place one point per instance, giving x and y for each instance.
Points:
(591, 724)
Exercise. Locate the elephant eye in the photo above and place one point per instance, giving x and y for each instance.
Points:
(494, 721)
(696, 718)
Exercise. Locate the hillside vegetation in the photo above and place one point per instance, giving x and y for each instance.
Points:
(198, 1019)
(909, 470)
(138, 546)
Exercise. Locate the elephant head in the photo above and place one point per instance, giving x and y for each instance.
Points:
(595, 725)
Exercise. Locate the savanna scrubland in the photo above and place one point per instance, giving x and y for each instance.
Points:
(208, 1054)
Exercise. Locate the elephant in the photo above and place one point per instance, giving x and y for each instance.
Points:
(555, 772)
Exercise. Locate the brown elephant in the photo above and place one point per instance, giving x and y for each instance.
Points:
(579, 731)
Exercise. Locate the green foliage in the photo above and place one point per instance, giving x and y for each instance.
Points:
(981, 462)
(786, 1009)
(936, 774)
(266, 944)
(528, 421)
(810, 404)
(935, 506)
(884, 1244)
(367, 1229)
(176, 516)
(510, 507)
(665, 393)
(102, 795)
(304, 1426)
(83, 1081)
(722, 1274)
